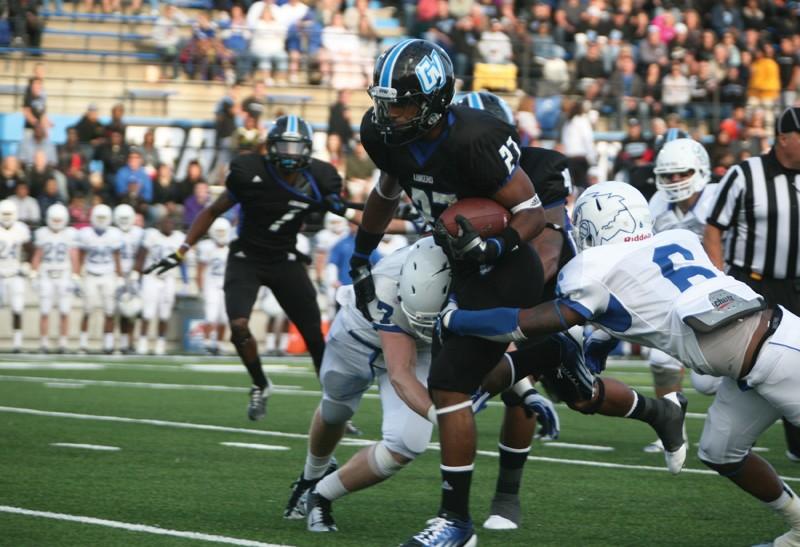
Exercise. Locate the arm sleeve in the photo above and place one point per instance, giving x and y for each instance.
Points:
(729, 191)
(373, 143)
(492, 159)
(233, 180)
(579, 292)
(548, 171)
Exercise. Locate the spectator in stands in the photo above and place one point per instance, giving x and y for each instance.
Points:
(625, 86)
(651, 92)
(134, 172)
(78, 211)
(73, 160)
(10, 174)
(732, 91)
(527, 123)
(150, 155)
(636, 150)
(40, 172)
(50, 195)
(114, 154)
(37, 142)
(26, 24)
(27, 207)
(335, 151)
(577, 141)
(753, 16)
(675, 89)
(116, 123)
(567, 18)
(368, 50)
(133, 197)
(90, 132)
(225, 126)
(494, 46)
(359, 171)
(303, 43)
(340, 122)
(465, 45)
(764, 87)
(167, 35)
(442, 26)
(726, 15)
(136, 7)
(194, 175)
(199, 200)
(205, 57)
(248, 137)
(290, 12)
(166, 198)
(340, 58)
(268, 47)
(789, 70)
(590, 68)
(653, 49)
(34, 108)
(236, 37)
(255, 105)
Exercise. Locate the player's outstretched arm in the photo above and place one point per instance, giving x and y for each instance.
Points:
(712, 242)
(519, 196)
(400, 354)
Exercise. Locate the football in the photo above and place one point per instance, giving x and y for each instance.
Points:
(486, 215)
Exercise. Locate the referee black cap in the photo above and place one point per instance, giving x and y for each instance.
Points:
(788, 121)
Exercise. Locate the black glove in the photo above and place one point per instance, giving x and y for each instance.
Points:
(165, 264)
(468, 245)
(363, 285)
(334, 204)
(406, 211)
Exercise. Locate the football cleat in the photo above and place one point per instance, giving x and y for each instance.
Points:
(257, 407)
(792, 457)
(671, 432)
(504, 512)
(161, 347)
(789, 539)
(445, 532)
(296, 506)
(654, 447)
(319, 513)
(352, 429)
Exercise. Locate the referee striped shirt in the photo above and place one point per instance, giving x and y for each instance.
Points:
(759, 198)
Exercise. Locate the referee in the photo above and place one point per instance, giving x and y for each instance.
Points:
(758, 204)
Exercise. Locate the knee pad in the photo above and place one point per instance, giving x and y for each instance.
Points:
(666, 373)
(335, 412)
(594, 404)
(382, 462)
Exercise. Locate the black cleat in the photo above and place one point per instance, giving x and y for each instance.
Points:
(319, 514)
(296, 506)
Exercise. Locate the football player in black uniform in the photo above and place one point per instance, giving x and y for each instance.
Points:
(437, 154)
(276, 193)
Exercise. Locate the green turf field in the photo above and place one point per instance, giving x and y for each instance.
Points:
(169, 417)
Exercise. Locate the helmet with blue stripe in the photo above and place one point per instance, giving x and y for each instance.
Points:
(414, 74)
(491, 103)
(289, 143)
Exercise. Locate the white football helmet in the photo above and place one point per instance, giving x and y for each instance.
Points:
(424, 285)
(129, 303)
(610, 212)
(124, 217)
(335, 223)
(220, 231)
(8, 213)
(100, 217)
(682, 156)
(57, 217)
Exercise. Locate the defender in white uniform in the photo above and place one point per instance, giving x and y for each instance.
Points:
(683, 200)
(212, 255)
(663, 291)
(125, 220)
(54, 268)
(158, 291)
(14, 238)
(99, 246)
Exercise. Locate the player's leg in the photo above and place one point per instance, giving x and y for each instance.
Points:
(17, 285)
(65, 292)
(668, 375)
(91, 300)
(166, 303)
(47, 288)
(150, 295)
(108, 294)
(405, 434)
(211, 303)
(298, 298)
(242, 281)
(345, 376)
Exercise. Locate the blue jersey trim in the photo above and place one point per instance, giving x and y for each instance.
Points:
(508, 178)
(388, 65)
(555, 204)
(423, 150)
(616, 317)
(363, 342)
(576, 307)
(388, 328)
(317, 194)
(489, 322)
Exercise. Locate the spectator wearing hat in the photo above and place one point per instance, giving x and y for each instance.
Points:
(134, 172)
(764, 87)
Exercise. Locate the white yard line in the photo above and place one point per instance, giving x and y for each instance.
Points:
(64, 385)
(137, 527)
(590, 447)
(256, 446)
(100, 447)
(303, 436)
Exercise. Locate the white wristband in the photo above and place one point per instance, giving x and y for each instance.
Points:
(432, 415)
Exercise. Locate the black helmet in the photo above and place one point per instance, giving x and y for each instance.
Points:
(289, 143)
(414, 72)
(491, 103)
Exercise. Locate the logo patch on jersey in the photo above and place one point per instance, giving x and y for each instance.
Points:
(256, 179)
(424, 179)
(430, 73)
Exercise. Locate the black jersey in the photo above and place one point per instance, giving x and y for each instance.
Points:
(272, 210)
(548, 171)
(475, 156)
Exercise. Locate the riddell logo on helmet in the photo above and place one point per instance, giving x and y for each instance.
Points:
(638, 237)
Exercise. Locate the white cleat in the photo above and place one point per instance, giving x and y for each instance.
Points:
(789, 539)
(654, 447)
(496, 522)
(161, 347)
(677, 458)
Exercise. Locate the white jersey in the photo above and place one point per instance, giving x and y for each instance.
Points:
(131, 241)
(56, 247)
(385, 308)
(214, 258)
(99, 249)
(160, 246)
(641, 292)
(11, 241)
(325, 239)
(668, 216)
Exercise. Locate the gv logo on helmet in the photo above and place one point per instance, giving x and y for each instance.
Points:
(621, 222)
(430, 73)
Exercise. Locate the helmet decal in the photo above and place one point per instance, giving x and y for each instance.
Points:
(388, 64)
(430, 72)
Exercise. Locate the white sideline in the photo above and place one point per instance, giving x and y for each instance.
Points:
(256, 446)
(137, 527)
(433, 446)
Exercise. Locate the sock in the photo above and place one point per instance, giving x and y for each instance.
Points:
(256, 373)
(62, 342)
(456, 483)
(792, 434)
(788, 506)
(315, 466)
(512, 460)
(124, 341)
(108, 340)
(17, 338)
(646, 409)
(284, 343)
(271, 341)
(331, 487)
(84, 340)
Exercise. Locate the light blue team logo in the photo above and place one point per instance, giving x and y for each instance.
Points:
(430, 73)
(622, 221)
